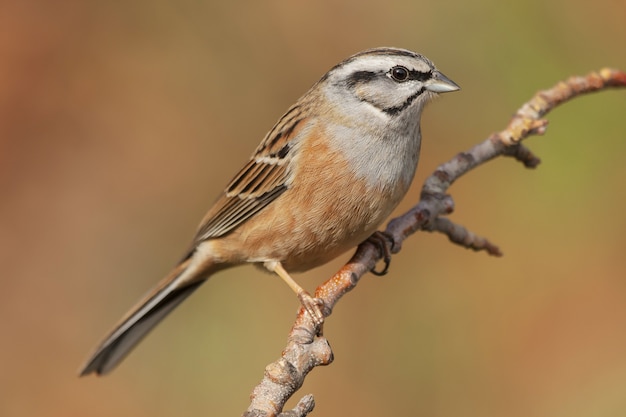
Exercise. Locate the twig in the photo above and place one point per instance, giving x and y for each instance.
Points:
(461, 236)
(306, 347)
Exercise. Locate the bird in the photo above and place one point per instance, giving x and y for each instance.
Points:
(321, 181)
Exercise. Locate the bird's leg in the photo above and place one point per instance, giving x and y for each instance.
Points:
(384, 242)
(311, 305)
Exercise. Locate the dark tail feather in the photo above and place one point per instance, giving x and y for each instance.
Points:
(141, 319)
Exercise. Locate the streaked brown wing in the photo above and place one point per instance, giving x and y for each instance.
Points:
(262, 180)
(257, 185)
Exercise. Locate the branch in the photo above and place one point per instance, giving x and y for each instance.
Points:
(306, 347)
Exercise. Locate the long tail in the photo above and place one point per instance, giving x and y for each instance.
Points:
(146, 314)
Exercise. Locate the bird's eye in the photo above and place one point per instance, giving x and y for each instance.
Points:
(399, 73)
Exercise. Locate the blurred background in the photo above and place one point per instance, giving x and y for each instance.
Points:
(120, 122)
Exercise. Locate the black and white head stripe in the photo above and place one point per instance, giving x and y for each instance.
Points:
(392, 52)
(377, 52)
(409, 74)
(389, 79)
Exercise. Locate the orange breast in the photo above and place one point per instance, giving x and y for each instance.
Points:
(326, 212)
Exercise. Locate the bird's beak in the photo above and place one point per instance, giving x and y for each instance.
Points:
(439, 83)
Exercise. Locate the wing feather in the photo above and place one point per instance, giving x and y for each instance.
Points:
(261, 181)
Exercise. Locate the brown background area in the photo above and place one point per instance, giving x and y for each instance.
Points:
(121, 121)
